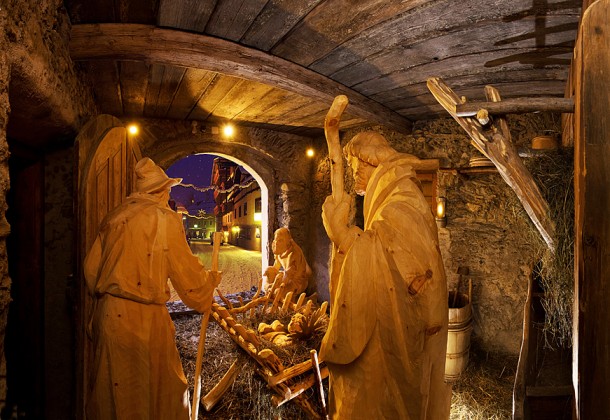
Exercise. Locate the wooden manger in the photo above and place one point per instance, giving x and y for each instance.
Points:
(288, 381)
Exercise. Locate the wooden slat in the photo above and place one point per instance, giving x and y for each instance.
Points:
(497, 146)
(431, 20)
(136, 11)
(216, 91)
(106, 87)
(172, 77)
(134, 79)
(193, 85)
(232, 18)
(244, 94)
(259, 111)
(333, 22)
(293, 116)
(274, 21)
(505, 60)
(497, 78)
(463, 41)
(282, 111)
(155, 77)
(190, 15)
(140, 42)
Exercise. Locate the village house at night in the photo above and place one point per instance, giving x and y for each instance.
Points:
(503, 103)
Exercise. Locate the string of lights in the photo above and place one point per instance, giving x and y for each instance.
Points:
(217, 189)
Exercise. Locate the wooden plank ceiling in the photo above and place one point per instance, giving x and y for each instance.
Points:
(278, 63)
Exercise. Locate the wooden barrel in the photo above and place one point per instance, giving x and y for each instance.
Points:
(458, 337)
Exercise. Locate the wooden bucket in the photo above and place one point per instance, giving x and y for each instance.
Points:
(458, 337)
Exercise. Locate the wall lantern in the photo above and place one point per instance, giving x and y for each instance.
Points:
(309, 152)
(441, 218)
(258, 217)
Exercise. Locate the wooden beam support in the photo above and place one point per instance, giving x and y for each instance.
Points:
(173, 47)
(591, 335)
(516, 106)
(496, 144)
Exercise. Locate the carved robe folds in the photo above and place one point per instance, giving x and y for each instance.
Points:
(385, 347)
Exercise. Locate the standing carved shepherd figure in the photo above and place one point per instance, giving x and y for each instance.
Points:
(386, 342)
(137, 373)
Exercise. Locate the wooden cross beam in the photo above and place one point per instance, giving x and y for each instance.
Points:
(516, 106)
(495, 143)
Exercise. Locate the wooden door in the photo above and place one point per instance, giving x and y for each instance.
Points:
(106, 159)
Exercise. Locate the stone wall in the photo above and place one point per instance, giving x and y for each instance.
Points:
(487, 229)
(5, 281)
(59, 234)
(42, 106)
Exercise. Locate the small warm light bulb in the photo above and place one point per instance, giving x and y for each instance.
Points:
(441, 220)
(309, 152)
(133, 129)
(228, 130)
(440, 209)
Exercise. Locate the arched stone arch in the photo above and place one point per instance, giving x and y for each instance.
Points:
(274, 163)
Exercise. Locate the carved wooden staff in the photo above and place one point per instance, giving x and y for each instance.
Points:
(331, 131)
(204, 326)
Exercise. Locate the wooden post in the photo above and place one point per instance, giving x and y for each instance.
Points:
(591, 363)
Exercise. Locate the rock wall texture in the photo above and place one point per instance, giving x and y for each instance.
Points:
(42, 105)
(5, 281)
(487, 228)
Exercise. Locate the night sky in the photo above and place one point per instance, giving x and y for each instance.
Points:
(196, 170)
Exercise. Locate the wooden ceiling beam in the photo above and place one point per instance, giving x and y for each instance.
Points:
(172, 47)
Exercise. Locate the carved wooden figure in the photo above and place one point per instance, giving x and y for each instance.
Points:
(141, 244)
(289, 256)
(386, 341)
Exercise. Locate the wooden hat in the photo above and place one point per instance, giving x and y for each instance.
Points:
(151, 178)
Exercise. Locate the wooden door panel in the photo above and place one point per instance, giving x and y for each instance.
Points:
(106, 159)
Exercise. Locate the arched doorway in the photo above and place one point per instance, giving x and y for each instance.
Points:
(221, 193)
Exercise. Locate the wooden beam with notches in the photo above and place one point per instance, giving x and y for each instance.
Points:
(495, 143)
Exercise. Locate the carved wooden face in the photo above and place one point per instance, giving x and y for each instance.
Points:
(362, 172)
(281, 241)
